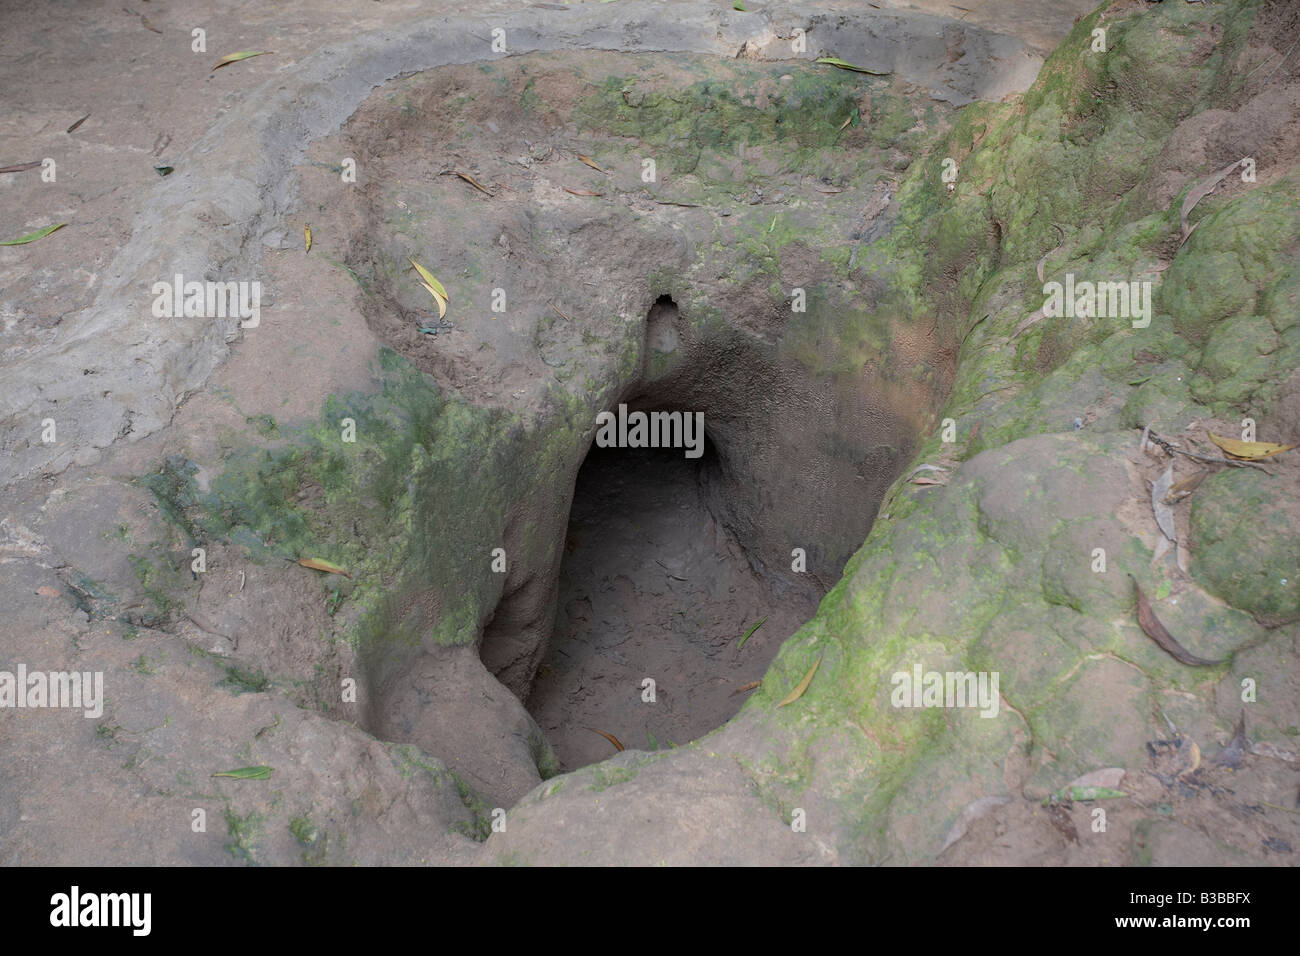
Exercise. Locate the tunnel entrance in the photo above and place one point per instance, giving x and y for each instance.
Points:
(652, 585)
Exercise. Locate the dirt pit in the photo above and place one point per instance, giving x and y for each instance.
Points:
(617, 229)
(653, 588)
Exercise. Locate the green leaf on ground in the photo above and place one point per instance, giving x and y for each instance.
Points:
(246, 773)
(32, 236)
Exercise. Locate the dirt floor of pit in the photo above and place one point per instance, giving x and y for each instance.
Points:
(652, 586)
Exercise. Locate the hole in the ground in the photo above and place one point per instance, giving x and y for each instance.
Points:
(653, 586)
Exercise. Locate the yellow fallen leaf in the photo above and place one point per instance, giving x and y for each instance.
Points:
(1249, 450)
(845, 123)
(306, 231)
(316, 564)
(429, 280)
(442, 303)
(1194, 759)
(236, 57)
(590, 162)
(803, 684)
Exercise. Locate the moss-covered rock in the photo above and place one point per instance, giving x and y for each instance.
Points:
(1248, 552)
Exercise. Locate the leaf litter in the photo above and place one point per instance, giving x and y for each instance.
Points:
(1153, 629)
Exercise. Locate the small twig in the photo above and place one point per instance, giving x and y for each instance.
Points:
(1172, 449)
(208, 629)
(668, 571)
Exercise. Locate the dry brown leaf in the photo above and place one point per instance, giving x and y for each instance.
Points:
(610, 737)
(590, 162)
(922, 480)
(74, 126)
(1249, 450)
(147, 25)
(46, 591)
(566, 319)
(581, 192)
(803, 684)
(752, 685)
(20, 167)
(316, 564)
(1060, 818)
(1181, 489)
(1153, 629)
(474, 182)
(1199, 192)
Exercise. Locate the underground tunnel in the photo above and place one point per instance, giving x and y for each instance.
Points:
(655, 595)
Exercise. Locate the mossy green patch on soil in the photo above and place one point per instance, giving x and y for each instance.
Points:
(245, 832)
(400, 488)
(799, 116)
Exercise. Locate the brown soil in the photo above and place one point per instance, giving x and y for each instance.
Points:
(654, 587)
